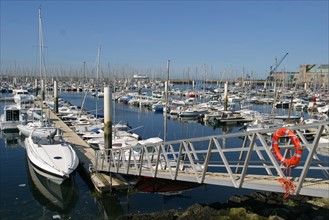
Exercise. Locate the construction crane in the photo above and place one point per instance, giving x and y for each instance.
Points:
(276, 65)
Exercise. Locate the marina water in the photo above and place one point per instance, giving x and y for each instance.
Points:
(22, 198)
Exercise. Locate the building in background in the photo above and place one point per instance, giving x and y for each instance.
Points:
(315, 77)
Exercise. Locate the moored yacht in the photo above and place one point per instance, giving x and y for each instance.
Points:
(51, 157)
(43, 129)
(11, 117)
(22, 96)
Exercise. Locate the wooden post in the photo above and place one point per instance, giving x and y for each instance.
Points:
(225, 96)
(36, 87)
(55, 97)
(107, 119)
(139, 93)
(42, 90)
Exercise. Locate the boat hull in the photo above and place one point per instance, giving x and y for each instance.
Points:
(55, 161)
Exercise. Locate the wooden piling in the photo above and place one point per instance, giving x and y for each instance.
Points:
(225, 96)
(55, 97)
(36, 87)
(107, 118)
(42, 89)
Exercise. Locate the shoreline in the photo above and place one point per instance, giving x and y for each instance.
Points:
(256, 205)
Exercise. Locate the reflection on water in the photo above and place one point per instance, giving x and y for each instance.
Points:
(55, 197)
(165, 186)
(12, 139)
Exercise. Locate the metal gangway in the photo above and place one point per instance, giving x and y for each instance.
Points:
(241, 160)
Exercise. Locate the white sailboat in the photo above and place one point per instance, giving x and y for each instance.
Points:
(44, 127)
(50, 155)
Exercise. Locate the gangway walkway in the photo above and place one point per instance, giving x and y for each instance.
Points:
(240, 160)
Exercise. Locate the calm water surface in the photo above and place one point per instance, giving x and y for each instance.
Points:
(23, 195)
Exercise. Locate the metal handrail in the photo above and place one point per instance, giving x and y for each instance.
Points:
(203, 159)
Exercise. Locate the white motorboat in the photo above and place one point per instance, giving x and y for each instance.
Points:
(324, 109)
(43, 130)
(83, 129)
(65, 110)
(51, 157)
(22, 96)
(133, 149)
(87, 119)
(34, 113)
(11, 117)
(96, 130)
(117, 142)
(192, 112)
(118, 136)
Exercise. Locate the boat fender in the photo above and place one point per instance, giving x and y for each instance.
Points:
(294, 160)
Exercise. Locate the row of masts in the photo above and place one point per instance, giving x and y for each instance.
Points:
(89, 71)
(79, 80)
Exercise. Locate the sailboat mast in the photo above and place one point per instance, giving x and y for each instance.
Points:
(40, 43)
(167, 84)
(41, 58)
(97, 73)
(40, 62)
(166, 102)
(274, 85)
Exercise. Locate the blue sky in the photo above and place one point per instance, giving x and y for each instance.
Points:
(215, 39)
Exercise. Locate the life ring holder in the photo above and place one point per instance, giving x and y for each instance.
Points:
(294, 160)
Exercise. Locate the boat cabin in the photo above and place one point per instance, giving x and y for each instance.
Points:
(11, 117)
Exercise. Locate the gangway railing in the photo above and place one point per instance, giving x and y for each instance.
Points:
(240, 160)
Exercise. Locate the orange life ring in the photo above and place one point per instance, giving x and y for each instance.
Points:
(294, 160)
